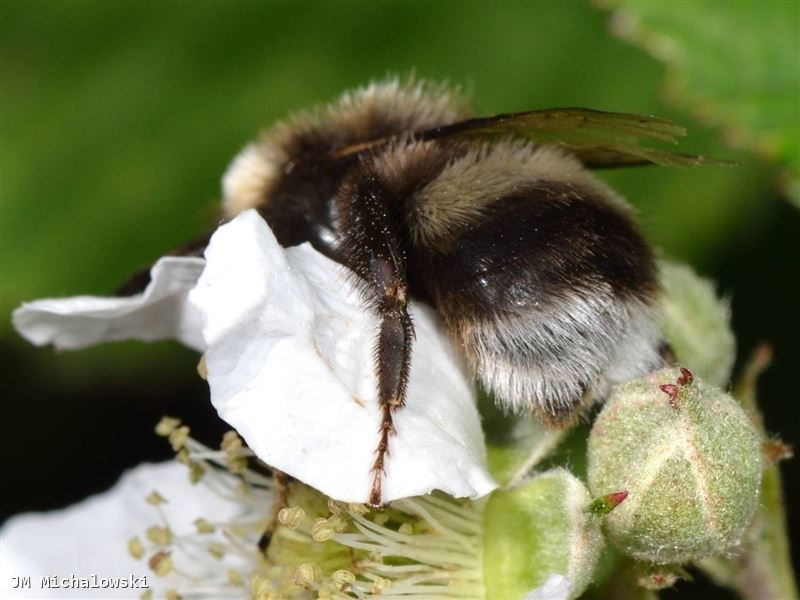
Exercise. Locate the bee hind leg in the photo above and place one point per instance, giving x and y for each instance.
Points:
(374, 250)
(564, 415)
(281, 482)
(393, 361)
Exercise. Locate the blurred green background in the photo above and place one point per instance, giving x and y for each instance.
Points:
(118, 119)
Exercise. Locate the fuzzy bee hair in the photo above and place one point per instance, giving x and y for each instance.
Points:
(539, 271)
(537, 268)
(379, 109)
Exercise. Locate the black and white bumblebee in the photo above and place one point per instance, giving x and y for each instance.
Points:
(537, 269)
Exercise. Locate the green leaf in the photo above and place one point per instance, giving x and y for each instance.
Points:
(734, 65)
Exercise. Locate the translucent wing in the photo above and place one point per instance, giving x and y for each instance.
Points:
(599, 139)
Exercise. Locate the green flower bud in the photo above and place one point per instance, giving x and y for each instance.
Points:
(691, 463)
(536, 529)
(696, 323)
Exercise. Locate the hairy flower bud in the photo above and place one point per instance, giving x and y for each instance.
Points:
(539, 528)
(696, 323)
(691, 463)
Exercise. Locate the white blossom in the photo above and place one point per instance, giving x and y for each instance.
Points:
(88, 540)
(290, 366)
(163, 534)
(289, 354)
(160, 312)
(555, 587)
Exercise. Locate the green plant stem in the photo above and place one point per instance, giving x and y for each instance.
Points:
(764, 570)
(622, 582)
(547, 444)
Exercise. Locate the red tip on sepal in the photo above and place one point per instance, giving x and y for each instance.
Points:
(618, 498)
(600, 507)
(671, 390)
(686, 377)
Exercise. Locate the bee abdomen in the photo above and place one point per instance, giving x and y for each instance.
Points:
(550, 291)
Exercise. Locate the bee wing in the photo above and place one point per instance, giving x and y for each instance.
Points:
(598, 139)
(613, 156)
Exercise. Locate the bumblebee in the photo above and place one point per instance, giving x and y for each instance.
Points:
(537, 268)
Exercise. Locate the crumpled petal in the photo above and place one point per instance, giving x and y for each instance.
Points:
(290, 366)
(555, 587)
(90, 538)
(160, 312)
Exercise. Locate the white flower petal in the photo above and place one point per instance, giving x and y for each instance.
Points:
(90, 538)
(160, 312)
(555, 587)
(290, 366)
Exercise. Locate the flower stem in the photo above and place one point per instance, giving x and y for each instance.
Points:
(764, 570)
(544, 446)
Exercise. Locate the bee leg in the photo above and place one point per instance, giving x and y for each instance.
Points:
(373, 248)
(562, 416)
(393, 354)
(281, 482)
